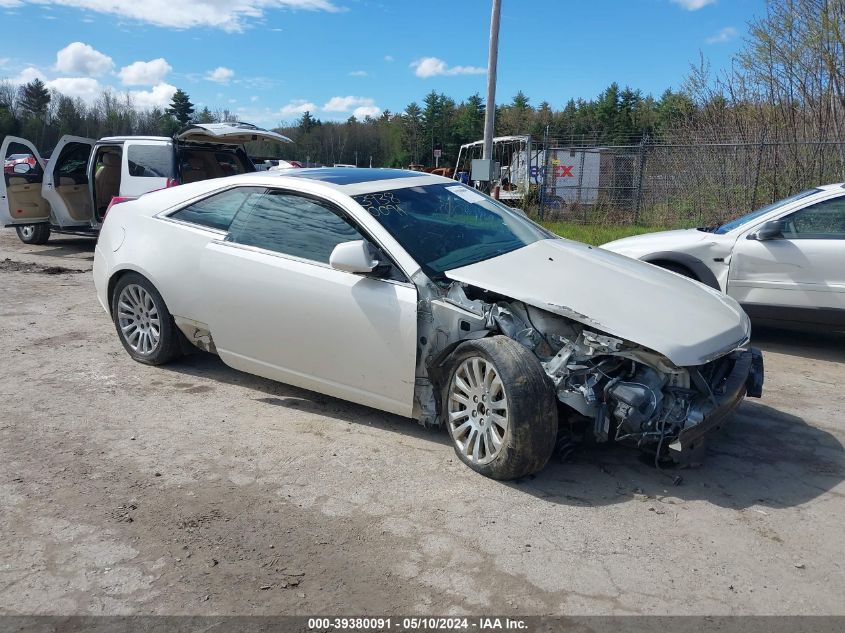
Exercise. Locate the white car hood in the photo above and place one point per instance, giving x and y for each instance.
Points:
(662, 240)
(682, 319)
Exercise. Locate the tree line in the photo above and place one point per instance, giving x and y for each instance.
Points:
(786, 85)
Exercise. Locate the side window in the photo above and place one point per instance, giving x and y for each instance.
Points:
(821, 221)
(150, 161)
(73, 164)
(28, 169)
(292, 225)
(217, 211)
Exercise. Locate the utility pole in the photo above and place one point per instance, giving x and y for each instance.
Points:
(492, 60)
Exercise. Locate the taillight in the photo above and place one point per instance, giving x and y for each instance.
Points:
(116, 200)
(171, 182)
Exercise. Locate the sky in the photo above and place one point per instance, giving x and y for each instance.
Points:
(268, 61)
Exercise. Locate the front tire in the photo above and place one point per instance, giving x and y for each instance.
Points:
(143, 322)
(499, 408)
(33, 233)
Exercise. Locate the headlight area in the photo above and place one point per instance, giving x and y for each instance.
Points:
(612, 390)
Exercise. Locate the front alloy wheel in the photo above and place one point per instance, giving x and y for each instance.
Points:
(478, 410)
(499, 408)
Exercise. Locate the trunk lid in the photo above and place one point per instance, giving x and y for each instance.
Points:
(234, 133)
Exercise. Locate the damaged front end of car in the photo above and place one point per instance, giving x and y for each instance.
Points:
(610, 389)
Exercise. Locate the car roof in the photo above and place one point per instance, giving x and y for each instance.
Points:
(120, 139)
(349, 182)
(347, 176)
(353, 181)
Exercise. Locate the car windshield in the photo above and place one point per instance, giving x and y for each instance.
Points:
(448, 226)
(733, 224)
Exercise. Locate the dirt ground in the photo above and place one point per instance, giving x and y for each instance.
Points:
(197, 489)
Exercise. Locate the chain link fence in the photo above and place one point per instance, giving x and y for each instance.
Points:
(670, 184)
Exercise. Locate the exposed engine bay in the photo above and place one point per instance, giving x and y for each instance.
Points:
(608, 389)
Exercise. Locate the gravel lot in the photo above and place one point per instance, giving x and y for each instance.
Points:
(197, 489)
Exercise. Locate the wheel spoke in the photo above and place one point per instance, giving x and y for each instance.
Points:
(495, 438)
(461, 384)
(458, 397)
(477, 373)
(462, 429)
(457, 416)
(488, 449)
(499, 420)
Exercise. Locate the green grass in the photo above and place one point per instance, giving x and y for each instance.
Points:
(597, 234)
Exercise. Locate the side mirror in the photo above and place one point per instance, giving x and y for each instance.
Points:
(353, 257)
(771, 230)
(22, 168)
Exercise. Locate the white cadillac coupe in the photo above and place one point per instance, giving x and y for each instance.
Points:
(420, 296)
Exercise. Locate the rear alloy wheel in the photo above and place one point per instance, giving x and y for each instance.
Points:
(33, 233)
(499, 408)
(143, 322)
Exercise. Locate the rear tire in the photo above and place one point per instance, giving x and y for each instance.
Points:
(144, 325)
(33, 233)
(499, 408)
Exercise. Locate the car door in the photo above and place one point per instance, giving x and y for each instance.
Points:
(276, 308)
(66, 186)
(20, 188)
(799, 275)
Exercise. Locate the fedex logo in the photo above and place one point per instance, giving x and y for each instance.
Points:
(560, 171)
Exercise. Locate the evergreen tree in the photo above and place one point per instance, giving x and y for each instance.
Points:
(412, 122)
(181, 107)
(469, 123)
(205, 116)
(306, 123)
(34, 97)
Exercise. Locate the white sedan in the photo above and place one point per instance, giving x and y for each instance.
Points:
(419, 296)
(784, 263)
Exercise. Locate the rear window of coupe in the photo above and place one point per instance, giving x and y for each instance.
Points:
(216, 212)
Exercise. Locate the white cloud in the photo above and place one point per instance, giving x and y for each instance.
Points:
(724, 35)
(254, 98)
(358, 73)
(388, 58)
(145, 73)
(27, 75)
(345, 104)
(234, 15)
(81, 59)
(434, 67)
(158, 96)
(693, 5)
(85, 88)
(365, 111)
(221, 75)
(296, 108)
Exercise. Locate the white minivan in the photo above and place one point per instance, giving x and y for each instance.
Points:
(72, 192)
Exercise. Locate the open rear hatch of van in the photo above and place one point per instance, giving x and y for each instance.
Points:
(234, 133)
